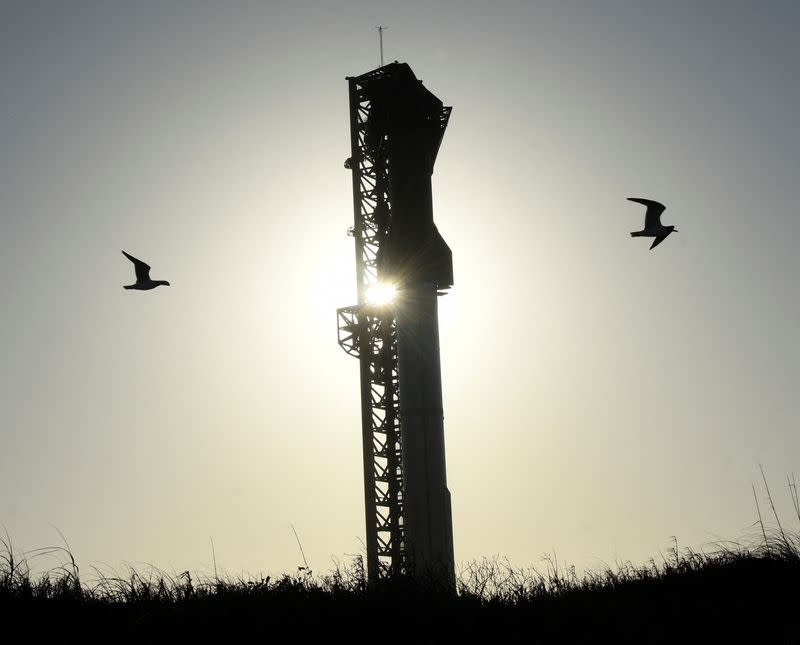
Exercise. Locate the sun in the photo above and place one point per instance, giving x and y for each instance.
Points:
(381, 293)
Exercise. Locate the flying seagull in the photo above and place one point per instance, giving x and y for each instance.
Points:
(143, 281)
(652, 222)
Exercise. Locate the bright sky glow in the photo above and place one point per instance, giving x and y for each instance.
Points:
(599, 398)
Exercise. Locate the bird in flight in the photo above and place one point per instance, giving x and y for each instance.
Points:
(143, 281)
(652, 222)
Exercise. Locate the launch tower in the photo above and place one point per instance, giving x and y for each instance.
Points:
(396, 127)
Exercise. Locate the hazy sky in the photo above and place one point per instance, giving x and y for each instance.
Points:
(599, 397)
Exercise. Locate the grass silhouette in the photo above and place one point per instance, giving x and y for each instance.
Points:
(721, 596)
(729, 593)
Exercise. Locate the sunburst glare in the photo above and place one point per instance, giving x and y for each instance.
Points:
(381, 293)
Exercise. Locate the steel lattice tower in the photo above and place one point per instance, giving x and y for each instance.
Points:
(396, 127)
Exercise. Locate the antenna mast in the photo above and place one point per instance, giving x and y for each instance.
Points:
(380, 38)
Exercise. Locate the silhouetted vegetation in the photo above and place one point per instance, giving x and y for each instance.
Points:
(729, 593)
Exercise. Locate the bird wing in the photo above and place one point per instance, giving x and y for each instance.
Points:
(657, 241)
(142, 269)
(652, 218)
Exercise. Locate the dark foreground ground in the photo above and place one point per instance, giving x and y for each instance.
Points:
(730, 596)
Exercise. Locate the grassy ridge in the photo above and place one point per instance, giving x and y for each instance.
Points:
(731, 594)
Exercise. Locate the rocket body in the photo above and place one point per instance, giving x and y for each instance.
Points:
(406, 124)
(428, 517)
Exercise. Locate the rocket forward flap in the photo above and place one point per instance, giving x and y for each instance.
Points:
(413, 259)
(405, 128)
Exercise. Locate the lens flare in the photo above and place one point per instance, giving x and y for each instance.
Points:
(381, 293)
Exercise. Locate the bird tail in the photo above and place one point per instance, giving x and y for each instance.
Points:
(638, 234)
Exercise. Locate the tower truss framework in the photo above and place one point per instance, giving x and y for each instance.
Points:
(368, 332)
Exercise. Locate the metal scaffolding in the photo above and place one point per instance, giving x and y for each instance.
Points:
(369, 333)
